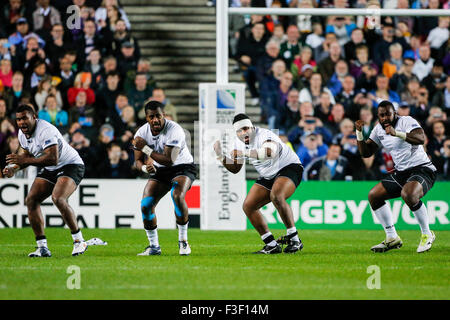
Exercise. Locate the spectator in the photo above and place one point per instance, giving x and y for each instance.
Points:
(129, 123)
(326, 67)
(6, 73)
(423, 66)
(442, 161)
(438, 37)
(425, 24)
(45, 88)
(115, 111)
(140, 93)
(278, 34)
(435, 81)
(39, 72)
(143, 66)
(421, 108)
(94, 67)
(91, 39)
(335, 82)
(323, 109)
(332, 166)
(82, 82)
(438, 137)
(342, 27)
(14, 94)
(290, 48)
(395, 61)
(305, 22)
(117, 165)
(106, 135)
(435, 114)
(312, 94)
(305, 58)
(264, 64)
(107, 95)
(236, 23)
(404, 109)
(83, 146)
(307, 124)
(381, 47)
(402, 76)
(44, 17)
(442, 98)
(109, 66)
(410, 94)
(362, 62)
(336, 116)
(84, 114)
(323, 51)
(249, 51)
(290, 113)
(101, 14)
(356, 39)
(366, 116)
(276, 100)
(409, 21)
(128, 58)
(315, 39)
(121, 35)
(382, 91)
(56, 46)
(347, 96)
(10, 13)
(22, 30)
(51, 113)
(312, 148)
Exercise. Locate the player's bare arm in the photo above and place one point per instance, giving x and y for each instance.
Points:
(142, 164)
(167, 158)
(415, 137)
(368, 147)
(23, 159)
(233, 163)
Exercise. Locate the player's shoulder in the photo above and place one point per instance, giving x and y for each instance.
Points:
(407, 120)
(143, 129)
(172, 125)
(43, 127)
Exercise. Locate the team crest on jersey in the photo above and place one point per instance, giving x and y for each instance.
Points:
(174, 142)
(47, 141)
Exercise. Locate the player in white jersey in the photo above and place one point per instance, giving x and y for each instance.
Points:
(414, 173)
(280, 173)
(61, 170)
(160, 148)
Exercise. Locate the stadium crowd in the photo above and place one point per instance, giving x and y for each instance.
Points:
(311, 76)
(85, 76)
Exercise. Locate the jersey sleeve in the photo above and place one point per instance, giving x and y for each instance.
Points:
(409, 124)
(374, 136)
(48, 137)
(175, 137)
(140, 133)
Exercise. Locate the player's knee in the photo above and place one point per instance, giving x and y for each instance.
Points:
(178, 196)
(374, 199)
(59, 201)
(409, 197)
(31, 202)
(276, 199)
(247, 207)
(147, 205)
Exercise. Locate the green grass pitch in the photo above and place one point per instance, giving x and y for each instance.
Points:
(332, 265)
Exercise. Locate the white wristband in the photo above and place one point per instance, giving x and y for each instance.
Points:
(15, 167)
(144, 168)
(359, 136)
(401, 135)
(147, 150)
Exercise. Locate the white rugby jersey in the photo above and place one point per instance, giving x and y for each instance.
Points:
(172, 135)
(268, 168)
(45, 135)
(404, 154)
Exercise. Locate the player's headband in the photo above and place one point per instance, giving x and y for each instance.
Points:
(241, 124)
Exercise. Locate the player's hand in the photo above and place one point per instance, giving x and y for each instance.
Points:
(139, 143)
(218, 148)
(359, 124)
(390, 130)
(8, 172)
(15, 159)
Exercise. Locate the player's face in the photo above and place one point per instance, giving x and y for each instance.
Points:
(26, 122)
(386, 116)
(246, 134)
(156, 119)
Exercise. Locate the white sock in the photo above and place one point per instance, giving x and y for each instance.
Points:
(42, 243)
(422, 217)
(384, 215)
(291, 231)
(265, 236)
(182, 232)
(77, 236)
(152, 236)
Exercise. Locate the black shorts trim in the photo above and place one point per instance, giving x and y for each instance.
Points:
(167, 174)
(293, 171)
(73, 171)
(395, 181)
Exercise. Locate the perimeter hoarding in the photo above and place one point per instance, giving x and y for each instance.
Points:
(344, 205)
